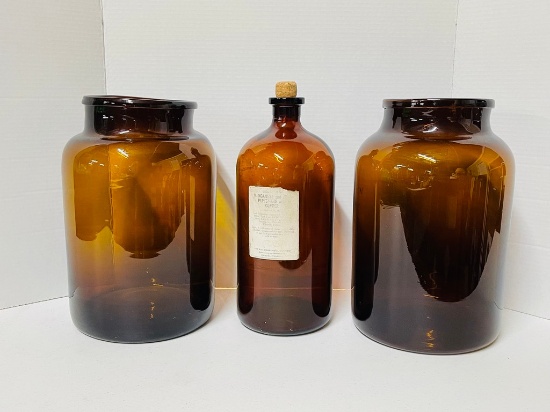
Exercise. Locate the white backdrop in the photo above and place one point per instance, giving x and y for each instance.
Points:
(502, 51)
(51, 53)
(227, 55)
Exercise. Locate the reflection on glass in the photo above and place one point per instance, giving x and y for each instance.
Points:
(428, 231)
(139, 217)
(290, 296)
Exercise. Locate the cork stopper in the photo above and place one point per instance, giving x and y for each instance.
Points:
(286, 89)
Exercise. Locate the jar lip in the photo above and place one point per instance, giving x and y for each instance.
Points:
(438, 102)
(138, 102)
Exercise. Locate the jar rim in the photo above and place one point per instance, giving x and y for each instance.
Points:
(438, 102)
(137, 102)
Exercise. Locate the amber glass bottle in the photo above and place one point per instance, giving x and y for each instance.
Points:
(139, 196)
(285, 196)
(432, 205)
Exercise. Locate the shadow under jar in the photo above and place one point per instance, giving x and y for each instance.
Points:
(139, 195)
(432, 203)
(285, 196)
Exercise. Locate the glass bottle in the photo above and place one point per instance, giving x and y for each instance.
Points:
(432, 204)
(139, 208)
(285, 196)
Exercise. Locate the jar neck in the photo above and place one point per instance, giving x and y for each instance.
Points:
(135, 122)
(438, 123)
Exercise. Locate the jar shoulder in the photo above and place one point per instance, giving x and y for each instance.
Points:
(389, 147)
(88, 145)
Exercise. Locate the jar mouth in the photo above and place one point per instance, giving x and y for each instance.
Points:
(438, 102)
(137, 102)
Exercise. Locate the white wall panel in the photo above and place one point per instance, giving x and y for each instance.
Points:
(227, 55)
(502, 52)
(51, 54)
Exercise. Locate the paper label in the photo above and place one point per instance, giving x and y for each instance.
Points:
(274, 223)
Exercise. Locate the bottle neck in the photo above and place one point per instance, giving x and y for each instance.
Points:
(136, 122)
(438, 123)
(286, 121)
(283, 114)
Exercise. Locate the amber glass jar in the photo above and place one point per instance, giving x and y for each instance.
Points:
(285, 196)
(432, 205)
(139, 196)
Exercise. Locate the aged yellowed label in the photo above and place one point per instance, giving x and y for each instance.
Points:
(274, 223)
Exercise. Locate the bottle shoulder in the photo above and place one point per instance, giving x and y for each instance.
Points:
(297, 140)
(269, 160)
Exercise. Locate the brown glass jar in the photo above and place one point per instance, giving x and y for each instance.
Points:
(139, 210)
(285, 196)
(432, 204)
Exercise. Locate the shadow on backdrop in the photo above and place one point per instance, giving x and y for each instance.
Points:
(341, 265)
(226, 230)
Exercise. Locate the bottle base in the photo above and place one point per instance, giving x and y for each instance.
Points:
(283, 316)
(138, 315)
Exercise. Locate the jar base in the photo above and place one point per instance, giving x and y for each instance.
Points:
(427, 350)
(138, 315)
